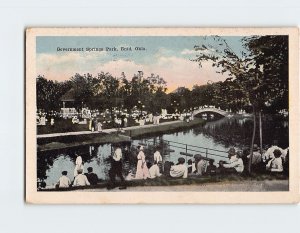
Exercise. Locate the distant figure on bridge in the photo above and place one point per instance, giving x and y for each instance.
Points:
(142, 171)
(179, 170)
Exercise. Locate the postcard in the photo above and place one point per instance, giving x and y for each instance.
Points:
(162, 115)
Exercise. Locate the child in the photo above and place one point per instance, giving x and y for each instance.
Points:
(64, 181)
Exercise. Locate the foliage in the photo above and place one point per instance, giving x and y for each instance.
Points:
(49, 92)
(105, 92)
(257, 75)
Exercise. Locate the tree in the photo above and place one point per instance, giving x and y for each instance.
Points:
(48, 93)
(156, 83)
(84, 88)
(108, 87)
(256, 73)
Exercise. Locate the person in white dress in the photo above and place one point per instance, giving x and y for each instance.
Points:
(142, 171)
(180, 169)
(154, 171)
(78, 165)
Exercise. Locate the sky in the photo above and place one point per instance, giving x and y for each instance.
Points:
(166, 56)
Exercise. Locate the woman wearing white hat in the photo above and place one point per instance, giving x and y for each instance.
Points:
(142, 171)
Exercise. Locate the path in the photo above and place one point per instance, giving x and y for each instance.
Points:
(52, 135)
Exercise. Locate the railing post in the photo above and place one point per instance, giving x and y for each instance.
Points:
(186, 149)
(206, 153)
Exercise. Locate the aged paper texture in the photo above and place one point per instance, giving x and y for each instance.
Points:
(162, 115)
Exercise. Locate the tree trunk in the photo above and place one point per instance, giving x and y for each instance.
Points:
(252, 141)
(260, 132)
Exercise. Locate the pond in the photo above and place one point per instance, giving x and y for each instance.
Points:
(219, 135)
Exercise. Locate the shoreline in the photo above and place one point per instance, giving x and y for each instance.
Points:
(67, 140)
(271, 182)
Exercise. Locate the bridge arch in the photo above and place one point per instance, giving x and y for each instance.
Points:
(210, 109)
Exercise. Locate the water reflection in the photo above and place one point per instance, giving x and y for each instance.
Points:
(51, 164)
(218, 135)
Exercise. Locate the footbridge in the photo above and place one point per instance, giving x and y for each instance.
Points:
(211, 109)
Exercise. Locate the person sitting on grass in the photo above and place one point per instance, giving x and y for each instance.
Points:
(167, 168)
(130, 176)
(211, 168)
(275, 164)
(190, 166)
(154, 171)
(256, 157)
(200, 163)
(269, 154)
(92, 177)
(179, 170)
(235, 164)
(80, 179)
(64, 181)
(256, 161)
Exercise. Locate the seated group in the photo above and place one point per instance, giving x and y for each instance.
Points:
(272, 160)
(80, 179)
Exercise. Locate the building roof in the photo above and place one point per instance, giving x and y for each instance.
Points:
(68, 96)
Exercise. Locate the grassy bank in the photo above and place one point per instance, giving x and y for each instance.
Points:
(191, 180)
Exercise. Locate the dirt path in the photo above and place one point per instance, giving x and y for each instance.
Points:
(52, 135)
(233, 186)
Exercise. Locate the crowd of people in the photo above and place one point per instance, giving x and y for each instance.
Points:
(273, 160)
(80, 178)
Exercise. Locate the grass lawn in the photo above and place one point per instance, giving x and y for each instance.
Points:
(191, 180)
